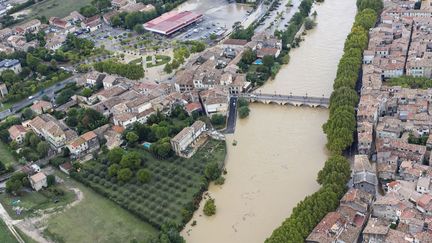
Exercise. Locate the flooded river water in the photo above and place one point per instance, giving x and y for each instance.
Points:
(280, 149)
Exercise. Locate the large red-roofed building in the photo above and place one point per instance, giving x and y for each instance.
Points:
(171, 22)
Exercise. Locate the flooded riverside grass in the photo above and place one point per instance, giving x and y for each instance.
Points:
(280, 149)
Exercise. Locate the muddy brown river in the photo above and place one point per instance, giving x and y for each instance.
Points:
(280, 149)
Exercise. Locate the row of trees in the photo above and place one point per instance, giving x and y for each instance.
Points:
(241, 33)
(130, 71)
(288, 35)
(341, 124)
(339, 129)
(132, 20)
(258, 74)
(182, 52)
(411, 82)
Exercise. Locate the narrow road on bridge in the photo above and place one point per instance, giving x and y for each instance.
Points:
(232, 116)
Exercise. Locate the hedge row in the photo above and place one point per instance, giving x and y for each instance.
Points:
(339, 128)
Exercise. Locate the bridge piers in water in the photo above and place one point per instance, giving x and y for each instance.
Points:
(293, 100)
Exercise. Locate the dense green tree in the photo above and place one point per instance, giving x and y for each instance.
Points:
(42, 148)
(241, 33)
(113, 170)
(143, 175)
(132, 137)
(27, 113)
(309, 23)
(9, 77)
(248, 56)
(124, 174)
(130, 71)
(243, 112)
(376, 5)
(116, 21)
(336, 171)
(16, 182)
(217, 119)
(268, 61)
(358, 38)
(131, 160)
(366, 18)
(162, 148)
(86, 92)
(115, 155)
(88, 11)
(343, 96)
(209, 207)
(212, 171)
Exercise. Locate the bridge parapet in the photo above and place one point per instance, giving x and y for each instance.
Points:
(287, 100)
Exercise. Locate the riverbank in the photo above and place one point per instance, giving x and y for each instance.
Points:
(260, 167)
(339, 129)
(280, 149)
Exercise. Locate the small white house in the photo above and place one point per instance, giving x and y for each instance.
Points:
(38, 181)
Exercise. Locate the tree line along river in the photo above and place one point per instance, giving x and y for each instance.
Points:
(280, 149)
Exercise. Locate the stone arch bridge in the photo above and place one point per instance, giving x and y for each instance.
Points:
(293, 100)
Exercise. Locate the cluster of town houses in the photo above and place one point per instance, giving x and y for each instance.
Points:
(390, 198)
(12, 39)
(215, 72)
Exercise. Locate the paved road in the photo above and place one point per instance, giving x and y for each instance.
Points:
(50, 91)
(232, 116)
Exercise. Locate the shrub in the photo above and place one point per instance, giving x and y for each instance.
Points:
(209, 207)
(244, 111)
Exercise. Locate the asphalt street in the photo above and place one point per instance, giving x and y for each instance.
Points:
(232, 115)
(50, 91)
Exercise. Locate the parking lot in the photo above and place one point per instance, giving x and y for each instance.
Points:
(200, 31)
(105, 36)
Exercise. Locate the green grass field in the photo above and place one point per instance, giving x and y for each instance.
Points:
(58, 8)
(6, 156)
(32, 201)
(97, 219)
(5, 235)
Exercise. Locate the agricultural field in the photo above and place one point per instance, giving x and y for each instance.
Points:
(174, 190)
(5, 234)
(50, 8)
(96, 219)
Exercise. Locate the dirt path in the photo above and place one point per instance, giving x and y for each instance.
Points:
(9, 223)
(34, 226)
